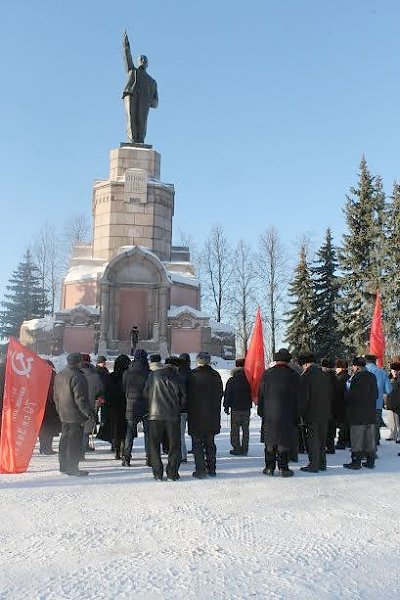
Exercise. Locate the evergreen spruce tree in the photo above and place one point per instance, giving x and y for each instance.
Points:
(299, 332)
(391, 288)
(24, 298)
(326, 296)
(361, 259)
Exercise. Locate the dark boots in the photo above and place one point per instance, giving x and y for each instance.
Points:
(370, 462)
(355, 463)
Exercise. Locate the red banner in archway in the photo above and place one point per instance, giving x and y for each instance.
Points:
(27, 381)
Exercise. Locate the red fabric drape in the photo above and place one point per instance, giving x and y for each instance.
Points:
(254, 365)
(26, 386)
(377, 337)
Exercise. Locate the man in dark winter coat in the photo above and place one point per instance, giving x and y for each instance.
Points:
(237, 401)
(328, 367)
(361, 411)
(166, 397)
(72, 402)
(204, 414)
(133, 381)
(96, 396)
(115, 430)
(342, 376)
(278, 405)
(185, 372)
(316, 400)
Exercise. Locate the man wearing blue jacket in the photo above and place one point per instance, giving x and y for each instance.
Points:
(384, 388)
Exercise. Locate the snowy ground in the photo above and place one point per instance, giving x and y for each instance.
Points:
(120, 535)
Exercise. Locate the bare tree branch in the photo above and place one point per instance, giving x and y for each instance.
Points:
(272, 272)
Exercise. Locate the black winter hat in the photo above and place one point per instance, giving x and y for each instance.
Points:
(173, 360)
(74, 359)
(359, 361)
(283, 355)
(306, 358)
(328, 363)
(203, 358)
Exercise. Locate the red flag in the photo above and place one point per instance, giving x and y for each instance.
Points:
(377, 337)
(27, 381)
(254, 365)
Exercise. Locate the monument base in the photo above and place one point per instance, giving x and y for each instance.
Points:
(135, 145)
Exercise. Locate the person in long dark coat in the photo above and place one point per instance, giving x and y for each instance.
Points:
(361, 414)
(117, 404)
(185, 372)
(316, 399)
(278, 406)
(205, 393)
(51, 424)
(328, 367)
(342, 376)
(137, 408)
(104, 374)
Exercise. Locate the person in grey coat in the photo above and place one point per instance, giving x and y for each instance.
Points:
(72, 402)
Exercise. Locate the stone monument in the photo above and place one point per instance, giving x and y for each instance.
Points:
(131, 274)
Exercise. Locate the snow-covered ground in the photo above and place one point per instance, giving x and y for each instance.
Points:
(120, 535)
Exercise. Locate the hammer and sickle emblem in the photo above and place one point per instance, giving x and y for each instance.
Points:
(20, 364)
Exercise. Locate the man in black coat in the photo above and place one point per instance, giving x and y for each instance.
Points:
(185, 372)
(278, 405)
(342, 376)
(237, 400)
(71, 397)
(133, 382)
(204, 414)
(328, 367)
(361, 412)
(166, 399)
(316, 400)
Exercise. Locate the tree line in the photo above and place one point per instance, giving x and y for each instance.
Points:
(326, 305)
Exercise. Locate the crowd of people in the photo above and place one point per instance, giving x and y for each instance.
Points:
(304, 407)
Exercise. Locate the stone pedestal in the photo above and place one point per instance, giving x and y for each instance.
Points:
(133, 207)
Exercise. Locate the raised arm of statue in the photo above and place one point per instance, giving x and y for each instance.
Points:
(129, 66)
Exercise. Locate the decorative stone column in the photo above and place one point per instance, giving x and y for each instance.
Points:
(104, 316)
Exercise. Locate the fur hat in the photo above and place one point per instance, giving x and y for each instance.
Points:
(173, 360)
(203, 359)
(140, 354)
(283, 355)
(185, 358)
(328, 363)
(101, 359)
(306, 358)
(359, 361)
(74, 359)
(155, 358)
